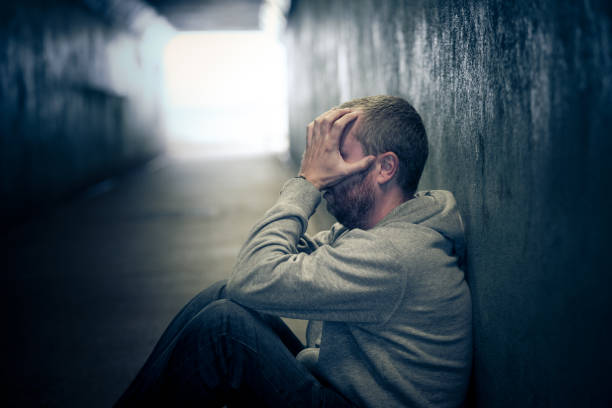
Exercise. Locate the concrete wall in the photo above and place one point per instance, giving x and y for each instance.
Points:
(79, 101)
(516, 98)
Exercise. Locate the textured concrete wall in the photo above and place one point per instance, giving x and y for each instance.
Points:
(516, 97)
(78, 102)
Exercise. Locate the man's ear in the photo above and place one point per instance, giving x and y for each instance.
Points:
(388, 165)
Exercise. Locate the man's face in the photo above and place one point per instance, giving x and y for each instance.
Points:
(351, 200)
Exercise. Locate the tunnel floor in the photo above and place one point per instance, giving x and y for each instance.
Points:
(91, 285)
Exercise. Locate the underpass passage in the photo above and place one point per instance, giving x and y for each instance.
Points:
(91, 286)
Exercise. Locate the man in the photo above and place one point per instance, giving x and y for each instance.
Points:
(385, 282)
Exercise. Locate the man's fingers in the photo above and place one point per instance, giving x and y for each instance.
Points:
(360, 165)
(341, 123)
(323, 123)
(309, 131)
(333, 114)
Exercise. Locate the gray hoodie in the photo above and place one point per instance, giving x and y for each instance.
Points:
(395, 306)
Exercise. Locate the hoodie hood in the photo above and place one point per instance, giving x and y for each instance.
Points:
(435, 209)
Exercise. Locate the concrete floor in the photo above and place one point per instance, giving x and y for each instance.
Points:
(90, 286)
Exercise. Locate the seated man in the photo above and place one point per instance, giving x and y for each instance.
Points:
(385, 282)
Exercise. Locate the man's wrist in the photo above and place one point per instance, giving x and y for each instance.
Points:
(300, 194)
(302, 176)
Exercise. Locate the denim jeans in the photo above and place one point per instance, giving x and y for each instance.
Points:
(216, 352)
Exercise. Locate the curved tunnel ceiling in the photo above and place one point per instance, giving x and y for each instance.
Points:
(199, 15)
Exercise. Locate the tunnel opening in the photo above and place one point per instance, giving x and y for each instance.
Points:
(225, 94)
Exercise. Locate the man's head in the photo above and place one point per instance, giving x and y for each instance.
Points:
(351, 200)
(389, 128)
(390, 124)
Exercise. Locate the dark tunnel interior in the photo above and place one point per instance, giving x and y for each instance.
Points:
(108, 228)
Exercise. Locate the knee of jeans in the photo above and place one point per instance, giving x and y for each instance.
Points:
(211, 294)
(225, 315)
(216, 291)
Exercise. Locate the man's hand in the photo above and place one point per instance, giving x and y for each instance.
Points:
(322, 163)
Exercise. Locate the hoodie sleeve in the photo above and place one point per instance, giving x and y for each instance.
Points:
(310, 244)
(357, 279)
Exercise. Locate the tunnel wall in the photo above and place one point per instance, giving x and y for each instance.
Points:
(78, 100)
(516, 100)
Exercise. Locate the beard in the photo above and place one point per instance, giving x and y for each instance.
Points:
(351, 200)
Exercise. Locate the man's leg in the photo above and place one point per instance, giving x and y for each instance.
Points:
(214, 292)
(188, 312)
(183, 318)
(227, 354)
(199, 302)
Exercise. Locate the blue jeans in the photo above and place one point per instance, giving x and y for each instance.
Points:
(216, 352)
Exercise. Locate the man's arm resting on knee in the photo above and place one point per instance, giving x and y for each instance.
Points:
(355, 281)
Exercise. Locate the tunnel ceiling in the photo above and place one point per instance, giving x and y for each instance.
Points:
(210, 14)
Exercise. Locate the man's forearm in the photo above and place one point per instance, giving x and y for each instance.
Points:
(274, 239)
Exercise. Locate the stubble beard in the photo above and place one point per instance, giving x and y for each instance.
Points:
(351, 201)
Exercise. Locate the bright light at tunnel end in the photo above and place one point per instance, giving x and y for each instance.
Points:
(225, 93)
